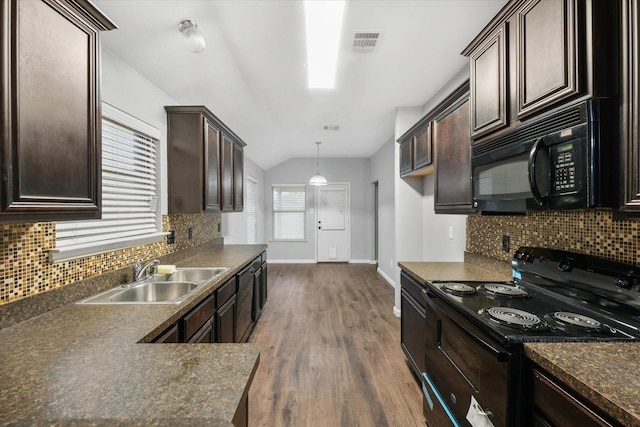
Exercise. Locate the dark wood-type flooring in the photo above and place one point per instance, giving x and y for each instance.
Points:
(330, 351)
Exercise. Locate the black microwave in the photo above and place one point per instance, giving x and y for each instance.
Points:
(556, 162)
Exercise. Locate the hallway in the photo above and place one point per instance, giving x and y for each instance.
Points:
(330, 351)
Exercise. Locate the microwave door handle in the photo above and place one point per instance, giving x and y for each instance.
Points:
(533, 154)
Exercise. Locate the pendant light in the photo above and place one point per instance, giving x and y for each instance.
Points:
(191, 36)
(318, 179)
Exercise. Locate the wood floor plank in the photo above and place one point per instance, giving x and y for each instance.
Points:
(330, 351)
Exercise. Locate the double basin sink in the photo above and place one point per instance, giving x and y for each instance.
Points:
(159, 289)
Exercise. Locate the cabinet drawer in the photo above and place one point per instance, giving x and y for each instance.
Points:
(560, 407)
(204, 335)
(169, 336)
(226, 291)
(413, 288)
(197, 317)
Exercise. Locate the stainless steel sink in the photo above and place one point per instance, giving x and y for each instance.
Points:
(159, 289)
(199, 275)
(155, 292)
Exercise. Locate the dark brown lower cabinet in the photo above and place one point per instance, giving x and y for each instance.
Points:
(241, 417)
(192, 324)
(244, 319)
(263, 283)
(412, 323)
(170, 336)
(204, 335)
(555, 406)
(226, 321)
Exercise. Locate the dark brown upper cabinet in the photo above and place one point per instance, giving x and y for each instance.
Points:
(415, 150)
(630, 102)
(547, 53)
(201, 161)
(536, 55)
(50, 111)
(227, 173)
(238, 178)
(489, 99)
(452, 152)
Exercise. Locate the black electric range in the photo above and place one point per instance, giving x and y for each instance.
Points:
(478, 327)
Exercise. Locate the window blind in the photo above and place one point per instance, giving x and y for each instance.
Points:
(129, 193)
(252, 211)
(289, 212)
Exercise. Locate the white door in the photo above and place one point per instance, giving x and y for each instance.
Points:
(333, 223)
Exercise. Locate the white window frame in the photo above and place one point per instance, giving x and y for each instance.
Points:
(252, 210)
(302, 210)
(81, 250)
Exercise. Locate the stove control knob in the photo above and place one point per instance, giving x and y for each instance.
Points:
(454, 399)
(623, 283)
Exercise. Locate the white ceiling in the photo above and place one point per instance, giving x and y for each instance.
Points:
(252, 74)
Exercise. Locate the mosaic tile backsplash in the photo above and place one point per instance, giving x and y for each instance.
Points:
(592, 232)
(25, 269)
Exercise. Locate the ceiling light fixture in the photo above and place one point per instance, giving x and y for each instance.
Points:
(323, 21)
(318, 179)
(191, 36)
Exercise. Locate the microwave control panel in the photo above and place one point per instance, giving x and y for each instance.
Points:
(565, 160)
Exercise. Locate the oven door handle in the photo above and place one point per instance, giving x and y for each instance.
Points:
(431, 299)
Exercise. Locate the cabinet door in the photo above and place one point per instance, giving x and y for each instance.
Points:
(412, 327)
(547, 53)
(453, 191)
(488, 80)
(559, 406)
(204, 335)
(169, 336)
(263, 285)
(422, 148)
(50, 111)
(226, 321)
(238, 178)
(630, 122)
(406, 157)
(212, 168)
(227, 173)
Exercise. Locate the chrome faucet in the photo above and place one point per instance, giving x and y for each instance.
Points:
(149, 269)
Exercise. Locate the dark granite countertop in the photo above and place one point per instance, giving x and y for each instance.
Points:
(89, 364)
(473, 268)
(605, 374)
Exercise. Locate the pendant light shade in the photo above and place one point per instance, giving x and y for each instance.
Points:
(318, 179)
(191, 36)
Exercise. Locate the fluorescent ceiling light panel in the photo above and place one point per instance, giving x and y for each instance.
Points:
(324, 25)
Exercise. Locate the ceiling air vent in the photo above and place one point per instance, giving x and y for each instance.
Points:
(365, 41)
(331, 127)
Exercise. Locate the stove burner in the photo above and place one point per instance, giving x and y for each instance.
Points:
(458, 289)
(504, 290)
(515, 318)
(576, 320)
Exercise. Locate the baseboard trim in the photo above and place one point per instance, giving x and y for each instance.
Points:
(292, 261)
(387, 278)
(396, 311)
(359, 261)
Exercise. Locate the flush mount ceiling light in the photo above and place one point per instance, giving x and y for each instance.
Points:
(191, 36)
(323, 20)
(318, 179)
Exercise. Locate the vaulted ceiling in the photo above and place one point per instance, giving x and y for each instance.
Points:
(253, 76)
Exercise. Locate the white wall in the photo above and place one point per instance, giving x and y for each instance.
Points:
(354, 171)
(130, 92)
(234, 224)
(383, 171)
(421, 235)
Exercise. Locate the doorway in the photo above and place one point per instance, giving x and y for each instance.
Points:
(332, 204)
